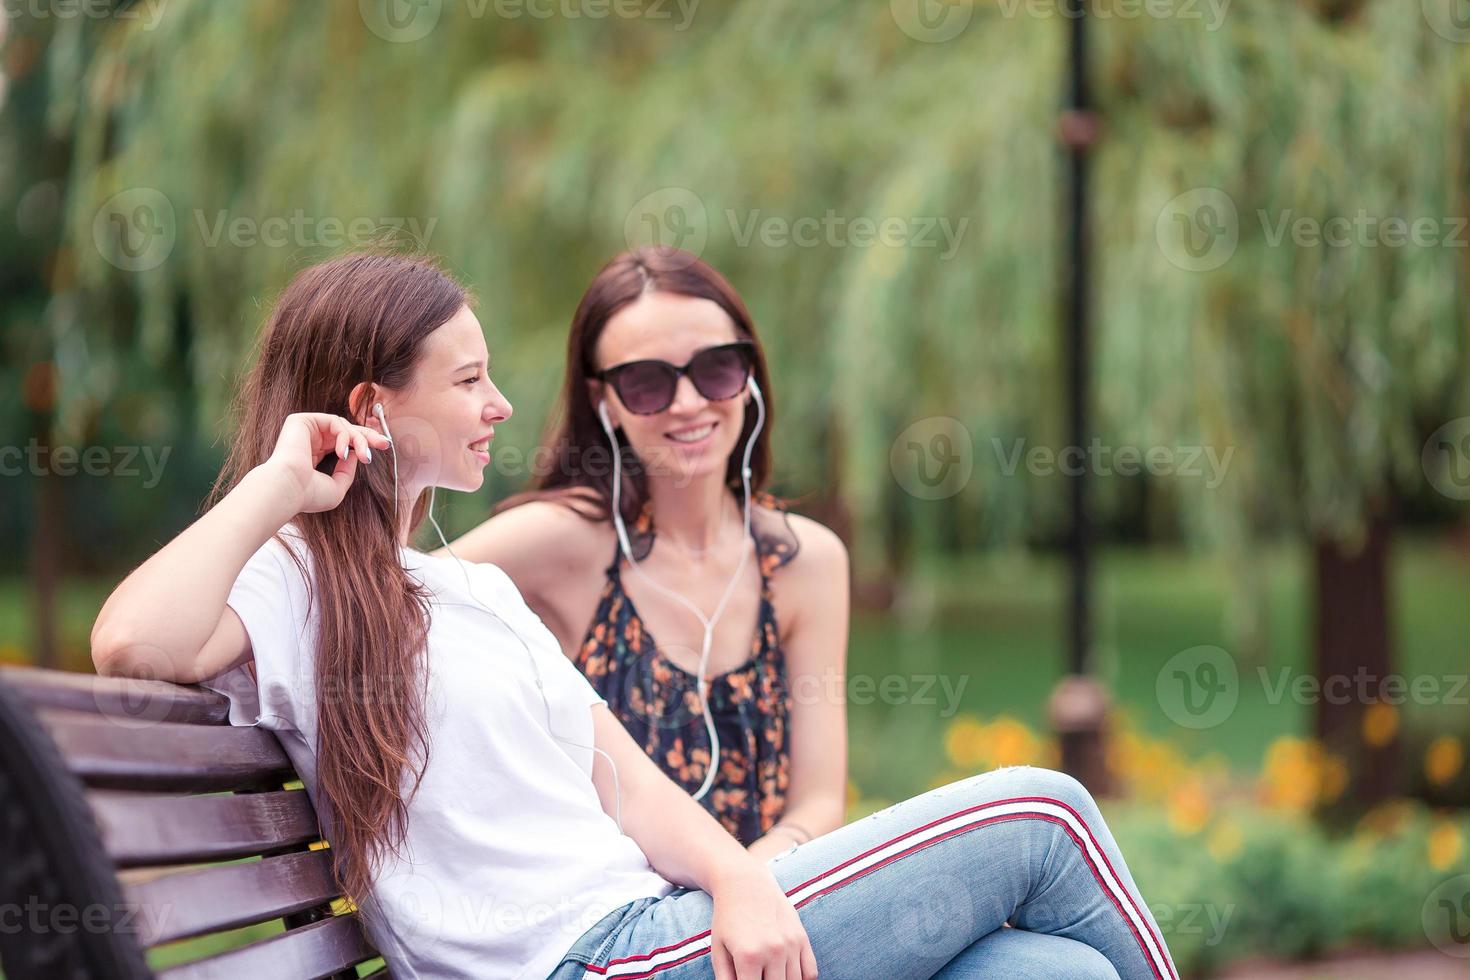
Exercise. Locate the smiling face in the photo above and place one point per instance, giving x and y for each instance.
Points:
(442, 422)
(693, 436)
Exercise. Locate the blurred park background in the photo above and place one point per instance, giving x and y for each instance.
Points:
(1277, 444)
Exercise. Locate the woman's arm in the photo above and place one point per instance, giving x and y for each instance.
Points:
(168, 619)
(756, 931)
(816, 670)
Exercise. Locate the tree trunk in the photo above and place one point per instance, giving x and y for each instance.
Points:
(45, 520)
(1353, 645)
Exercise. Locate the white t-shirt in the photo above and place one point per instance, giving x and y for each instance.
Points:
(509, 856)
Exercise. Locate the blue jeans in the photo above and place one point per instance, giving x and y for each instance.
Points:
(925, 889)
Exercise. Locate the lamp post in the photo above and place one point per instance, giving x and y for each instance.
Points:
(1079, 704)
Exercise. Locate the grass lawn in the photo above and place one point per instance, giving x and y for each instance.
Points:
(996, 626)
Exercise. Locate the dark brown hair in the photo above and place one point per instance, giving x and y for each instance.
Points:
(575, 441)
(358, 318)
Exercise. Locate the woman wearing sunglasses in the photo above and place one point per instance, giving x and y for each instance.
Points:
(713, 629)
(487, 813)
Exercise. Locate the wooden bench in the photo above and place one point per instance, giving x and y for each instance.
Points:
(126, 808)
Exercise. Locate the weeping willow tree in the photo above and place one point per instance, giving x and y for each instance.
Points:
(523, 148)
(1321, 342)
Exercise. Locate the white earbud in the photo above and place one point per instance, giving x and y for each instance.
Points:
(382, 420)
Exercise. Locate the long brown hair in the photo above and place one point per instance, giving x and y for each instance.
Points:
(358, 318)
(576, 444)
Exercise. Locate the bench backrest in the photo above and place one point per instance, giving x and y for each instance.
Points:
(131, 804)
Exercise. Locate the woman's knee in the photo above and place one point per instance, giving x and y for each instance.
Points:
(1089, 964)
(1053, 785)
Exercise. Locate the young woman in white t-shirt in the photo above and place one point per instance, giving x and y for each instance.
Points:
(486, 811)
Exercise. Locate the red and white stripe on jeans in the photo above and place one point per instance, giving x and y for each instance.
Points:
(1021, 808)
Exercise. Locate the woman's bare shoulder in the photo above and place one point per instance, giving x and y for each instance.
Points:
(820, 552)
(539, 536)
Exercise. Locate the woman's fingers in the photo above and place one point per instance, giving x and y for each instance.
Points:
(719, 958)
(343, 473)
(808, 962)
(333, 433)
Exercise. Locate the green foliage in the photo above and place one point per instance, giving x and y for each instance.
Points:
(1263, 884)
(522, 147)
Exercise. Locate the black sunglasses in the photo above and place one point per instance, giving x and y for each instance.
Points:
(648, 387)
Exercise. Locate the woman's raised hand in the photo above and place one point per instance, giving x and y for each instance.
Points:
(305, 439)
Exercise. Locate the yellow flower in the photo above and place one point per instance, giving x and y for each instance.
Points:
(1380, 724)
(1011, 743)
(1299, 774)
(1189, 808)
(1386, 819)
(1225, 841)
(1443, 759)
(1444, 846)
(964, 742)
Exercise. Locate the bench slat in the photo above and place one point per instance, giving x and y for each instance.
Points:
(227, 896)
(141, 830)
(121, 697)
(314, 950)
(110, 754)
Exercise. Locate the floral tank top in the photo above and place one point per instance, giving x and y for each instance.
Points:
(658, 701)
